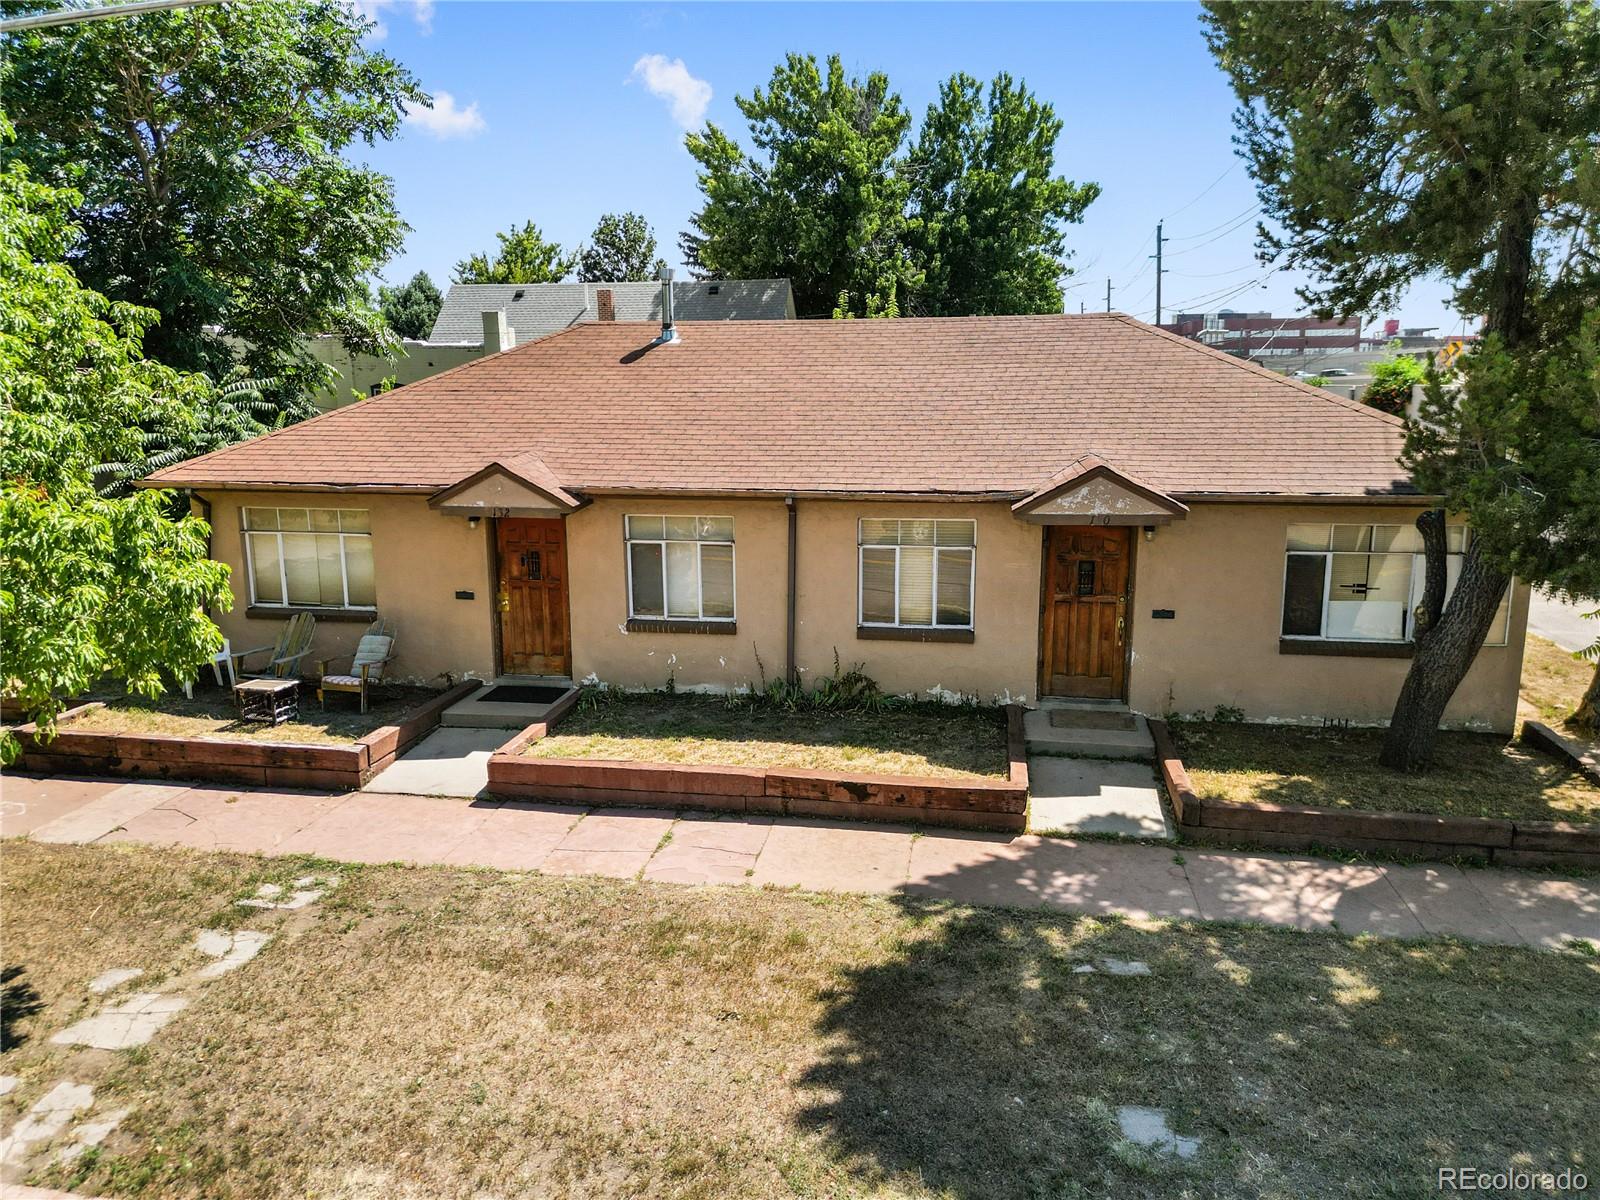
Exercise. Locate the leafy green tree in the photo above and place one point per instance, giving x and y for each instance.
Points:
(524, 257)
(411, 308)
(88, 584)
(988, 212)
(1393, 141)
(621, 248)
(1392, 381)
(885, 304)
(820, 202)
(207, 145)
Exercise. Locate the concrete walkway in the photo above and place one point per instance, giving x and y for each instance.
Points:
(1511, 907)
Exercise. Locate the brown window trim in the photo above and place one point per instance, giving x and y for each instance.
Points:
(1346, 649)
(276, 612)
(903, 633)
(674, 625)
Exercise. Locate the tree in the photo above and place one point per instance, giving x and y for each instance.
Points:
(988, 212)
(207, 146)
(821, 202)
(88, 584)
(621, 248)
(1394, 141)
(1587, 715)
(411, 308)
(1392, 381)
(524, 257)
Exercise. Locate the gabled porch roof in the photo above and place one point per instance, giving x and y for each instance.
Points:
(519, 486)
(1091, 491)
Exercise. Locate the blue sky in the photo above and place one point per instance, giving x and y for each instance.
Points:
(558, 113)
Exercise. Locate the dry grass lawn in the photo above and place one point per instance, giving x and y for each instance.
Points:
(445, 1033)
(211, 715)
(955, 742)
(1552, 682)
(1478, 775)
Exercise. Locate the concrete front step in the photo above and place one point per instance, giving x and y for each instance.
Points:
(1045, 737)
(476, 713)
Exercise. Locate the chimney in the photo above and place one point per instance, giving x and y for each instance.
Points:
(605, 305)
(669, 327)
(497, 333)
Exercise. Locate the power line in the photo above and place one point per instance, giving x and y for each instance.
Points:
(1206, 192)
(1239, 224)
(1249, 212)
(1160, 270)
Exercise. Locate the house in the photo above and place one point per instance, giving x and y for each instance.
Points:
(479, 319)
(1001, 507)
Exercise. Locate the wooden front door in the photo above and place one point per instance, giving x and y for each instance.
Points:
(1087, 571)
(532, 597)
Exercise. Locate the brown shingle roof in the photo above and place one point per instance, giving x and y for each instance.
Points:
(956, 405)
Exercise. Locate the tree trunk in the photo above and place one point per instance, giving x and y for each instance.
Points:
(1436, 571)
(1440, 663)
(1587, 716)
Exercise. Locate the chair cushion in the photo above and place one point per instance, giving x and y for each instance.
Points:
(373, 647)
(341, 681)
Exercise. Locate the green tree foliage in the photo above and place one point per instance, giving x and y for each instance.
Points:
(207, 148)
(621, 248)
(88, 584)
(524, 257)
(988, 213)
(411, 308)
(1393, 141)
(967, 220)
(821, 203)
(1392, 380)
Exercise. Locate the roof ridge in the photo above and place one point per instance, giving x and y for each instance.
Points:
(1319, 393)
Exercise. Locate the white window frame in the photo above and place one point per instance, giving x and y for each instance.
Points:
(247, 533)
(629, 542)
(1501, 637)
(972, 576)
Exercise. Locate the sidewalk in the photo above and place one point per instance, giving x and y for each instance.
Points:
(1511, 907)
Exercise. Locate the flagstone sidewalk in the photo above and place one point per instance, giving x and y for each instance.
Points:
(1513, 907)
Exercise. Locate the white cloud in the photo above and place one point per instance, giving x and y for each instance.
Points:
(375, 10)
(670, 79)
(444, 119)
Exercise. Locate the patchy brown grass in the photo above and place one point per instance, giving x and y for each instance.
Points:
(211, 715)
(1479, 775)
(954, 742)
(447, 1033)
(1552, 683)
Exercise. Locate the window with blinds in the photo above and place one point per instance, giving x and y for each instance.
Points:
(680, 567)
(310, 557)
(1364, 582)
(916, 574)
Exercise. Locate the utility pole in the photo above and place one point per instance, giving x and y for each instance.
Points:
(1160, 270)
(1108, 294)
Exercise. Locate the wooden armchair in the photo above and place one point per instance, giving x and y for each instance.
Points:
(373, 653)
(293, 644)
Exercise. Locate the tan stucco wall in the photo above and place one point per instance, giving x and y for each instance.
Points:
(999, 664)
(1221, 571)
(602, 647)
(420, 559)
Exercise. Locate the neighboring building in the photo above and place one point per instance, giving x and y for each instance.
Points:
(478, 319)
(1002, 508)
(1261, 335)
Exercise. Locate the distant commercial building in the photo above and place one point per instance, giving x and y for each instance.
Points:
(1260, 335)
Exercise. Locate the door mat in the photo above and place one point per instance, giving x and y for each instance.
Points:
(1088, 718)
(521, 693)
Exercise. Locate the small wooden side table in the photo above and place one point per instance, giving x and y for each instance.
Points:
(271, 700)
